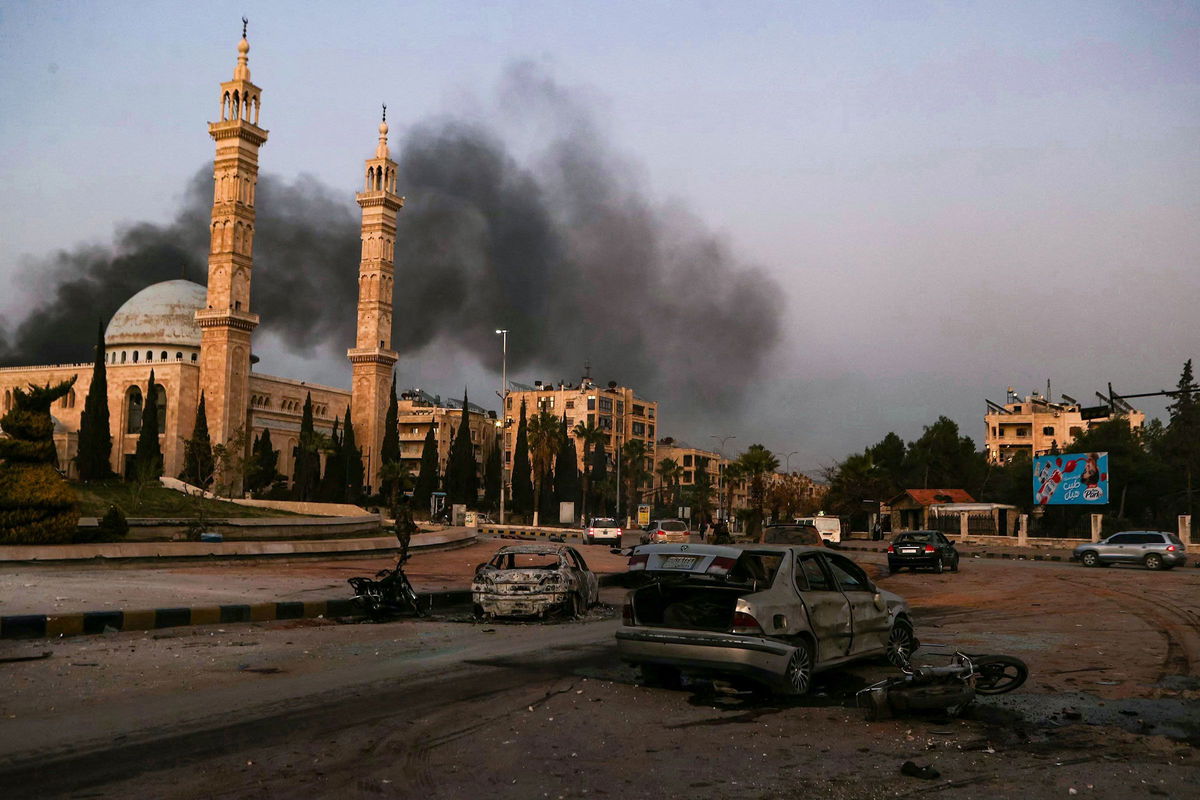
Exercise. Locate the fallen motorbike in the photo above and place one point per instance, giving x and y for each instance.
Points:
(949, 688)
(388, 594)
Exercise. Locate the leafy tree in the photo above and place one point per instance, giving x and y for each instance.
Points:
(1180, 445)
(36, 505)
(461, 478)
(566, 468)
(352, 458)
(307, 472)
(427, 477)
(591, 436)
(95, 437)
(521, 482)
(491, 479)
(700, 494)
(543, 433)
(669, 473)
(197, 452)
(147, 456)
(888, 457)
(941, 459)
(732, 478)
(389, 450)
(756, 464)
(634, 454)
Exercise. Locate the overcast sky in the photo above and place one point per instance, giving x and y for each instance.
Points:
(953, 197)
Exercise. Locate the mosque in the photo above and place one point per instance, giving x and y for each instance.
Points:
(197, 339)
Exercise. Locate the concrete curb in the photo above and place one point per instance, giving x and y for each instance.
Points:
(139, 551)
(36, 626)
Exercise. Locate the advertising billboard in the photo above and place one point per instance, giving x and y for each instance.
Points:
(1070, 479)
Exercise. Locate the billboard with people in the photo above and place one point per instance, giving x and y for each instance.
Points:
(1070, 479)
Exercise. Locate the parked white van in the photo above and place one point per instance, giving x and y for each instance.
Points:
(830, 528)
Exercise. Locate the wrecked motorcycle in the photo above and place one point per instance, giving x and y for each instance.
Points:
(949, 688)
(388, 594)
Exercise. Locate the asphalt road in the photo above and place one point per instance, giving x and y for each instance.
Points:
(449, 708)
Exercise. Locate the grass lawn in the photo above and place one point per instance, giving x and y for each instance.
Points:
(157, 501)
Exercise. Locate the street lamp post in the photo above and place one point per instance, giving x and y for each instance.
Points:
(788, 462)
(503, 407)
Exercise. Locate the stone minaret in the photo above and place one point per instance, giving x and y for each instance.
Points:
(226, 322)
(372, 357)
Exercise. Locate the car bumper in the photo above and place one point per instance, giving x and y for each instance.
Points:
(762, 660)
(602, 538)
(915, 561)
(519, 605)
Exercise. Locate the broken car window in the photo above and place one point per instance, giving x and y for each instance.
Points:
(849, 577)
(811, 576)
(525, 561)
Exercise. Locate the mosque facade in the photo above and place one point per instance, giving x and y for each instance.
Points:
(198, 339)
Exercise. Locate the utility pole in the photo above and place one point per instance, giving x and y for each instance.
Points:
(721, 470)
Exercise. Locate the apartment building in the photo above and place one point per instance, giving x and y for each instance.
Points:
(617, 411)
(691, 461)
(418, 411)
(1035, 425)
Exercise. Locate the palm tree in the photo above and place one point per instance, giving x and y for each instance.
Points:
(590, 435)
(731, 477)
(634, 454)
(669, 473)
(756, 463)
(544, 434)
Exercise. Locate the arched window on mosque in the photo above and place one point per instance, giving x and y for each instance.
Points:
(193, 357)
(163, 357)
(7, 399)
(135, 355)
(179, 356)
(133, 409)
(149, 355)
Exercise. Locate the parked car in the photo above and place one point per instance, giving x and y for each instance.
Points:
(603, 529)
(666, 530)
(928, 549)
(830, 528)
(767, 615)
(1152, 549)
(534, 580)
(792, 534)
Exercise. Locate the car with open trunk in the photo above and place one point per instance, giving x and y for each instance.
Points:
(769, 616)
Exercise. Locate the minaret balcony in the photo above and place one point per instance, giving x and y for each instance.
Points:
(372, 355)
(227, 318)
(238, 129)
(379, 197)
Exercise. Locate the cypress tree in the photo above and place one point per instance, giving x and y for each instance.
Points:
(352, 458)
(333, 486)
(462, 485)
(597, 477)
(95, 438)
(522, 482)
(491, 479)
(566, 469)
(427, 478)
(197, 452)
(307, 472)
(389, 450)
(147, 457)
(264, 463)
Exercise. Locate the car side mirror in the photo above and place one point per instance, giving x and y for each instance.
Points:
(880, 603)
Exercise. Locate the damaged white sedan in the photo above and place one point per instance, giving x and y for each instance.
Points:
(534, 580)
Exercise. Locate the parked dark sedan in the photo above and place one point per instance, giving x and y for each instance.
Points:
(930, 549)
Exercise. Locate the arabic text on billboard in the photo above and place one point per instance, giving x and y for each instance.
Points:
(1071, 479)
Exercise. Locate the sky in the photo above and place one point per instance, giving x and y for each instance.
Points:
(944, 199)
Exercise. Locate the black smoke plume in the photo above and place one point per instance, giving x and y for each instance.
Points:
(561, 248)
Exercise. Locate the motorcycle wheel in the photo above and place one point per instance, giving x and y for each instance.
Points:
(999, 674)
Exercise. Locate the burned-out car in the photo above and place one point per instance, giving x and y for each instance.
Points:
(534, 580)
(766, 615)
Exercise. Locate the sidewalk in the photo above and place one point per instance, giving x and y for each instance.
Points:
(69, 599)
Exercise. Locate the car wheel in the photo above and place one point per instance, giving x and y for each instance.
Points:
(575, 607)
(901, 643)
(799, 672)
(938, 567)
(1090, 559)
(1153, 561)
(954, 566)
(477, 611)
(660, 676)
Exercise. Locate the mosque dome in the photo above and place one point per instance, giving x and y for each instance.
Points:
(161, 314)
